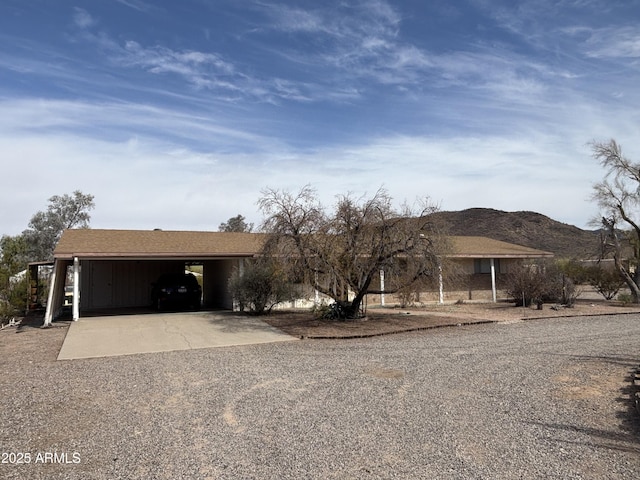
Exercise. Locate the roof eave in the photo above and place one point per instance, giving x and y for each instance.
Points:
(152, 256)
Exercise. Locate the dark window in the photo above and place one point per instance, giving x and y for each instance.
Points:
(483, 265)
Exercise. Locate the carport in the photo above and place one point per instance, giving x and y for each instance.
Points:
(115, 269)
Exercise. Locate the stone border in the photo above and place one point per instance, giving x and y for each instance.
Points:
(392, 332)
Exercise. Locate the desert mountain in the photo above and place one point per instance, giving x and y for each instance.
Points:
(529, 229)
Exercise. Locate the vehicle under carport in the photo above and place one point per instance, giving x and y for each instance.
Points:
(115, 269)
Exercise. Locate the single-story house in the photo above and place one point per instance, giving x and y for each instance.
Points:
(114, 269)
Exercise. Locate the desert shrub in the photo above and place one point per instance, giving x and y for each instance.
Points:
(13, 299)
(540, 282)
(7, 312)
(575, 270)
(625, 298)
(260, 286)
(606, 281)
(321, 310)
(408, 297)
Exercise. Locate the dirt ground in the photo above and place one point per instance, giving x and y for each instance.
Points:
(386, 320)
(304, 324)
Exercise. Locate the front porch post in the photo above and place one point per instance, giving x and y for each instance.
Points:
(440, 285)
(493, 280)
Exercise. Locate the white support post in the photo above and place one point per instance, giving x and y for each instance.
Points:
(382, 287)
(440, 285)
(48, 315)
(493, 280)
(315, 290)
(76, 289)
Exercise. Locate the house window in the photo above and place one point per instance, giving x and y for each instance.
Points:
(483, 265)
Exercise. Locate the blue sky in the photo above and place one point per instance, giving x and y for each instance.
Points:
(176, 115)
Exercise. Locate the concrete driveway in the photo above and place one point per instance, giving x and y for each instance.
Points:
(131, 334)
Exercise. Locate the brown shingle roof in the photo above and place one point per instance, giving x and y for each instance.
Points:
(156, 243)
(483, 247)
(94, 243)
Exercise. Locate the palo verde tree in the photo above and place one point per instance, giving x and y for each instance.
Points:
(618, 196)
(341, 252)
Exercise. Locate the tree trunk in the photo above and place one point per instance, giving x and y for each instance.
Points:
(629, 280)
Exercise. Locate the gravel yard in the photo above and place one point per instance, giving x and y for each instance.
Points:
(537, 399)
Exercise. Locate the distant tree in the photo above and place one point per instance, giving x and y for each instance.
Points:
(618, 196)
(13, 254)
(37, 243)
(13, 289)
(236, 224)
(341, 252)
(45, 228)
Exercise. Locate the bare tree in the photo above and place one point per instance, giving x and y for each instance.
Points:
(618, 195)
(342, 252)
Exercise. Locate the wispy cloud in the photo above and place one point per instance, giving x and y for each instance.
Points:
(209, 71)
(623, 43)
(226, 178)
(202, 69)
(136, 5)
(360, 40)
(118, 121)
(82, 18)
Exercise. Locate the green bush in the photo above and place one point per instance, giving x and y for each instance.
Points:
(625, 298)
(260, 286)
(606, 281)
(322, 310)
(13, 300)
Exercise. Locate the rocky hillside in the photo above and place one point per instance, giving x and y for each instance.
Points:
(523, 228)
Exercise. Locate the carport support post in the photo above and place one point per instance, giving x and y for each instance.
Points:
(493, 280)
(382, 287)
(76, 289)
(48, 314)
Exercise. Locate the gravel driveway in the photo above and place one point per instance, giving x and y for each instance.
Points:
(536, 399)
